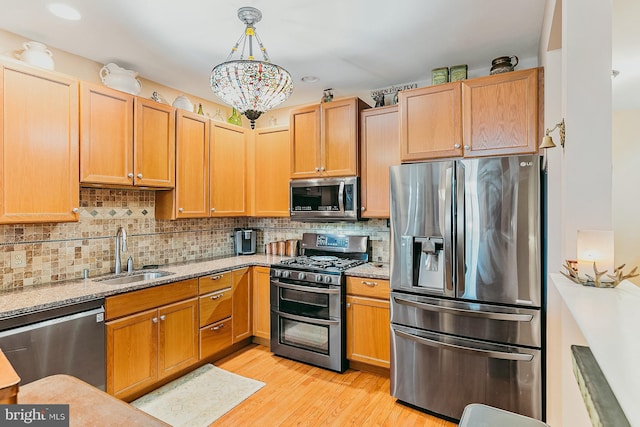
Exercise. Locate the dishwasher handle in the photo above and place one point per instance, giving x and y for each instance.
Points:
(97, 312)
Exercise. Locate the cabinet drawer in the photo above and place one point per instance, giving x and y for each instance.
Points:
(215, 306)
(374, 288)
(145, 299)
(215, 338)
(214, 282)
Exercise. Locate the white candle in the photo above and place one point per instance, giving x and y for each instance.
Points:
(595, 246)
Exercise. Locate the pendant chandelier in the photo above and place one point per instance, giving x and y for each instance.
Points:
(249, 85)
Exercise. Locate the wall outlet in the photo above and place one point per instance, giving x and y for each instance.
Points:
(18, 259)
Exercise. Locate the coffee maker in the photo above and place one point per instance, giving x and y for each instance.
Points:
(244, 241)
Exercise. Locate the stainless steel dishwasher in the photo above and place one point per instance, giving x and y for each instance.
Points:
(64, 340)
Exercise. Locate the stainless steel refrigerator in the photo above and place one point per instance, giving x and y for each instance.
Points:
(467, 300)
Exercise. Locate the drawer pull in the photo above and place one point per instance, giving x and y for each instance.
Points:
(371, 284)
(217, 328)
(218, 277)
(218, 296)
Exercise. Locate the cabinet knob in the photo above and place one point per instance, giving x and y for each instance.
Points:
(163, 317)
(75, 210)
(130, 175)
(322, 169)
(139, 176)
(180, 209)
(363, 209)
(317, 169)
(213, 209)
(154, 320)
(348, 305)
(467, 147)
(456, 146)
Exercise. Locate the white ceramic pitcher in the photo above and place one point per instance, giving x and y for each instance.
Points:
(36, 53)
(116, 77)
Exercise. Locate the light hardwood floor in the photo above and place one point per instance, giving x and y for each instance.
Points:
(297, 394)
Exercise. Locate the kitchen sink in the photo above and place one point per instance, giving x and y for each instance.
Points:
(134, 277)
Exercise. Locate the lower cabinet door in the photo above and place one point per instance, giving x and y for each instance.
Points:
(261, 303)
(132, 362)
(177, 339)
(241, 317)
(368, 331)
(215, 338)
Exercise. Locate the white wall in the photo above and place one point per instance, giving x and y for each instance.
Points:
(626, 176)
(578, 89)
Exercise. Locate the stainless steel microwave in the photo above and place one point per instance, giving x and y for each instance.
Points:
(324, 199)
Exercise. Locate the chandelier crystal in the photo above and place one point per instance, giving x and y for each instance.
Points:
(250, 85)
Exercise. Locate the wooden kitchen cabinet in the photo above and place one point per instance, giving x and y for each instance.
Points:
(261, 303)
(430, 122)
(125, 140)
(368, 321)
(39, 146)
(242, 308)
(151, 334)
(227, 173)
(380, 149)
(272, 172)
(325, 139)
(501, 113)
(190, 198)
(495, 115)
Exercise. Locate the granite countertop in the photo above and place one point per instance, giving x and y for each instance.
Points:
(608, 320)
(47, 296)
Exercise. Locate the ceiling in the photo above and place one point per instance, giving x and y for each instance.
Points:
(352, 46)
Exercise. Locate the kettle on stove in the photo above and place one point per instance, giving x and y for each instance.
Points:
(244, 241)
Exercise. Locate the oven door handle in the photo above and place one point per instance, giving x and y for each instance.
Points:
(305, 288)
(307, 319)
(487, 353)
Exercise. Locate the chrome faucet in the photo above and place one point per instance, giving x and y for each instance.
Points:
(121, 245)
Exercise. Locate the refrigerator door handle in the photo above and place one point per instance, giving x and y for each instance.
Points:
(465, 312)
(486, 353)
(449, 291)
(461, 229)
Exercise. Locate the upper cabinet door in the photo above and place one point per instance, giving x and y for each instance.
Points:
(380, 149)
(228, 170)
(154, 144)
(39, 155)
(192, 168)
(272, 172)
(339, 137)
(501, 114)
(430, 122)
(106, 135)
(304, 123)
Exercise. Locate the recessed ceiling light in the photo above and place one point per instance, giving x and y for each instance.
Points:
(309, 79)
(64, 11)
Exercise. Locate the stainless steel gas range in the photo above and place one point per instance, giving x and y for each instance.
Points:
(308, 299)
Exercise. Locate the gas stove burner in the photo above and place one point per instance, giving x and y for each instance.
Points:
(321, 262)
(324, 258)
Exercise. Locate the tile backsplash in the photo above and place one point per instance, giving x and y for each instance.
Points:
(58, 252)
